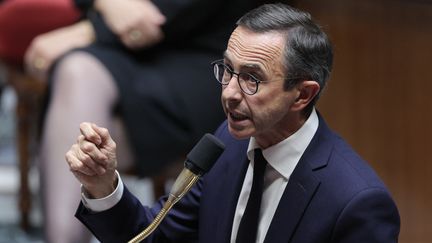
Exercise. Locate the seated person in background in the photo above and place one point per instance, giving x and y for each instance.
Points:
(314, 187)
(147, 61)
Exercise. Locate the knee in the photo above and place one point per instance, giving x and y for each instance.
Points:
(74, 65)
(81, 73)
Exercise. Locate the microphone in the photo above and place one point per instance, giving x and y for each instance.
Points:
(198, 162)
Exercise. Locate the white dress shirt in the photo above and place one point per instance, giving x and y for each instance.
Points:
(102, 204)
(282, 158)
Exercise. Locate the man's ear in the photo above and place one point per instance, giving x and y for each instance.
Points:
(307, 91)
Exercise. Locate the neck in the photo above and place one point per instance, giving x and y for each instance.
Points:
(280, 131)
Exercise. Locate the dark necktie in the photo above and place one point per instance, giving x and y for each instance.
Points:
(249, 223)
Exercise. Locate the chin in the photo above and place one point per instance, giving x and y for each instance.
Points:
(240, 134)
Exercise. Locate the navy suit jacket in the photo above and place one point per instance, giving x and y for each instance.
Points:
(332, 196)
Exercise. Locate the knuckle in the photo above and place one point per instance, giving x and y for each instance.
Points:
(87, 147)
(104, 131)
(68, 156)
(74, 167)
(83, 125)
(74, 147)
(86, 158)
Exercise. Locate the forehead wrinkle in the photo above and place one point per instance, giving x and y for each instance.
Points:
(261, 52)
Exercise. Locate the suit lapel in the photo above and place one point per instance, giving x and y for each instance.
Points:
(299, 192)
(301, 187)
(236, 170)
(297, 195)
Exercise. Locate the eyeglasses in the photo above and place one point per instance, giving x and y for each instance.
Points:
(247, 82)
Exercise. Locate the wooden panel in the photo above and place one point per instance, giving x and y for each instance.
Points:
(379, 97)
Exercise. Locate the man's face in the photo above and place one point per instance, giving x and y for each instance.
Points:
(265, 115)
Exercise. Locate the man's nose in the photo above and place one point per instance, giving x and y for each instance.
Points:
(232, 90)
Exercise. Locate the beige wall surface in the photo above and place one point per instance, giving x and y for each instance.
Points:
(379, 97)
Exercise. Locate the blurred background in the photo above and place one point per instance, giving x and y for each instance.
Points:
(12, 227)
(10, 177)
(378, 99)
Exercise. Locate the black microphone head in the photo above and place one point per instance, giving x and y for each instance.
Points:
(205, 153)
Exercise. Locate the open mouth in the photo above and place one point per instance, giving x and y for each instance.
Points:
(237, 116)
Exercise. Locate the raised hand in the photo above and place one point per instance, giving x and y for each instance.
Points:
(92, 159)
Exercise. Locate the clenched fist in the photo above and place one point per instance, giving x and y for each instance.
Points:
(92, 159)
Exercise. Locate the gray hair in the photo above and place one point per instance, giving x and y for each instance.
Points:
(308, 51)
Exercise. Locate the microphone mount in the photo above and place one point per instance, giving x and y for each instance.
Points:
(199, 160)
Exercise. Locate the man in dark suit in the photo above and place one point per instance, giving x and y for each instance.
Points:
(314, 187)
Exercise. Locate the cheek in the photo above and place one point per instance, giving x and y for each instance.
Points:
(259, 111)
(271, 111)
(262, 118)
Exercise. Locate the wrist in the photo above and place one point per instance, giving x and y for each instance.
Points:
(105, 203)
(101, 191)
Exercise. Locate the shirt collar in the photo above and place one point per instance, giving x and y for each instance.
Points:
(284, 156)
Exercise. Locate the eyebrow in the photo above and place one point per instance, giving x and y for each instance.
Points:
(247, 65)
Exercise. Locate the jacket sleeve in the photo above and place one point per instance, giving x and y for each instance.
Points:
(129, 217)
(370, 216)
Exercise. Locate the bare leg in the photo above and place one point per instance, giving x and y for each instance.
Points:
(83, 90)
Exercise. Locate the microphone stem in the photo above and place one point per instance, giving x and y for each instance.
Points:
(182, 185)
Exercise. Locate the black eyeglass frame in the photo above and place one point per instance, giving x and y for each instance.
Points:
(231, 72)
(257, 81)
